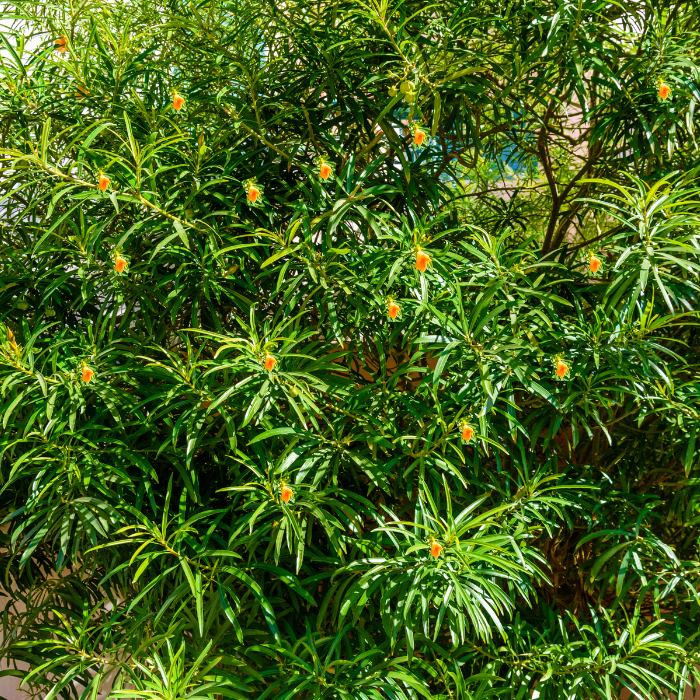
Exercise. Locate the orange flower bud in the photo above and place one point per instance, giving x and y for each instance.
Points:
(103, 184)
(119, 264)
(562, 369)
(178, 102)
(393, 309)
(422, 260)
(286, 494)
(61, 44)
(87, 374)
(594, 264)
(664, 90)
(253, 193)
(270, 362)
(467, 432)
(435, 549)
(419, 137)
(324, 171)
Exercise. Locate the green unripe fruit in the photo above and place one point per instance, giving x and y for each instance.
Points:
(393, 91)
(410, 97)
(407, 86)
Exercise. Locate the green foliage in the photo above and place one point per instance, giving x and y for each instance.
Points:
(227, 471)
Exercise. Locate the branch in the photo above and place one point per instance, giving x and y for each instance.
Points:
(561, 229)
(138, 197)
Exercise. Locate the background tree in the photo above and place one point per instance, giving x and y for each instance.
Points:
(350, 349)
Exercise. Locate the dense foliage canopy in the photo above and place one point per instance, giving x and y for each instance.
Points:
(349, 349)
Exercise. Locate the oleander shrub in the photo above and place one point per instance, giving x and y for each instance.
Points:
(349, 350)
